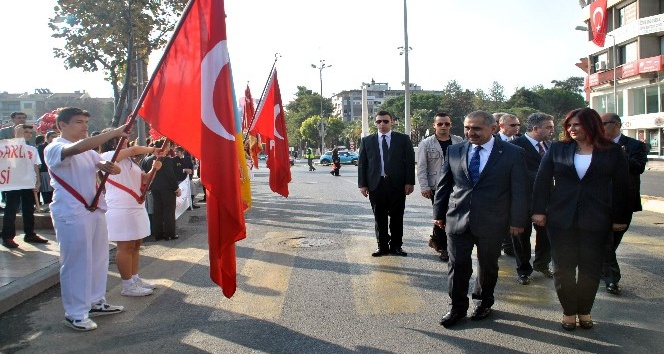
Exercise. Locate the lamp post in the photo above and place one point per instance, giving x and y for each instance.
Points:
(322, 127)
(615, 65)
(405, 50)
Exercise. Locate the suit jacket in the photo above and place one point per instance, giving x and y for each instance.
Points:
(430, 161)
(637, 157)
(400, 167)
(164, 179)
(532, 157)
(497, 201)
(596, 201)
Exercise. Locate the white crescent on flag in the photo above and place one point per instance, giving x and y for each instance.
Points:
(211, 67)
(277, 110)
(598, 24)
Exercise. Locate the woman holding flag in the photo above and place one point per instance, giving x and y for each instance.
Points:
(126, 218)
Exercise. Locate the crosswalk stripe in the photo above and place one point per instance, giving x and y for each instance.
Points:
(266, 276)
(380, 286)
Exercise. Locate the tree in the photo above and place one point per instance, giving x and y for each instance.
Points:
(457, 102)
(310, 131)
(572, 84)
(524, 97)
(112, 36)
(425, 105)
(558, 102)
(305, 105)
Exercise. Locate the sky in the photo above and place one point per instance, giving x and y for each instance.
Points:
(518, 43)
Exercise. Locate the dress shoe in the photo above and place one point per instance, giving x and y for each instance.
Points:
(34, 238)
(398, 252)
(586, 324)
(481, 313)
(613, 288)
(9, 243)
(545, 272)
(380, 252)
(451, 318)
(568, 326)
(509, 252)
(444, 256)
(193, 206)
(523, 279)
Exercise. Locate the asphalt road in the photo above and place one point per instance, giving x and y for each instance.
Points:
(652, 183)
(307, 284)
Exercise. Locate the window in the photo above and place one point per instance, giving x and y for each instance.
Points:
(639, 101)
(652, 99)
(627, 14)
(628, 53)
(27, 105)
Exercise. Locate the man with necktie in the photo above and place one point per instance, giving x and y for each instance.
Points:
(534, 143)
(482, 191)
(386, 174)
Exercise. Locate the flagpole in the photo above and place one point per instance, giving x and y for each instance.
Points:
(274, 64)
(144, 188)
(132, 117)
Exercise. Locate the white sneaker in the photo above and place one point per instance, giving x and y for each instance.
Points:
(135, 290)
(80, 325)
(104, 308)
(143, 284)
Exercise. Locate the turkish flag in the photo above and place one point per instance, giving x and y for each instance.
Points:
(598, 20)
(254, 147)
(271, 116)
(190, 100)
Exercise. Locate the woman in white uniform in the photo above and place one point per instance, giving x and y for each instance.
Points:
(126, 218)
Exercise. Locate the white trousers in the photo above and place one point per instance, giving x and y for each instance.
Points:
(83, 261)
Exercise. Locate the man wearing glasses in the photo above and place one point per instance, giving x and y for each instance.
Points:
(430, 156)
(637, 157)
(509, 127)
(386, 174)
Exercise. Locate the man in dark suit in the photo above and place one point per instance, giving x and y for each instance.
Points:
(386, 174)
(164, 190)
(482, 190)
(534, 144)
(637, 157)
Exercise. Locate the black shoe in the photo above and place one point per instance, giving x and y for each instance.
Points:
(586, 324)
(398, 252)
(523, 279)
(568, 326)
(380, 252)
(9, 243)
(481, 313)
(545, 272)
(193, 206)
(451, 318)
(613, 288)
(509, 252)
(444, 256)
(34, 238)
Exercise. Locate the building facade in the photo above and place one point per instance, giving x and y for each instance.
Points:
(348, 104)
(627, 71)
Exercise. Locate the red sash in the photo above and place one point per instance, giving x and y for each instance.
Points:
(138, 198)
(72, 191)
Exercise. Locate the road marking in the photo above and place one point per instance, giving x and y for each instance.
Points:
(263, 280)
(380, 285)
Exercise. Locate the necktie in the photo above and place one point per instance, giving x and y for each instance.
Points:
(540, 148)
(474, 165)
(386, 152)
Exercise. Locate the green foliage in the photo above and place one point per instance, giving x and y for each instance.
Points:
(109, 35)
(310, 131)
(572, 84)
(524, 97)
(305, 105)
(457, 102)
(558, 102)
(422, 106)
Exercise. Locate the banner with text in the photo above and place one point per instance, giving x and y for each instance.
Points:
(16, 166)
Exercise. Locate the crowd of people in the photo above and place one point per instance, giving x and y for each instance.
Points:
(68, 166)
(490, 190)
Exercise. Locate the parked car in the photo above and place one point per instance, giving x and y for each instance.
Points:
(346, 157)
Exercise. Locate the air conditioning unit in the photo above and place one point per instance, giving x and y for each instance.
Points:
(600, 66)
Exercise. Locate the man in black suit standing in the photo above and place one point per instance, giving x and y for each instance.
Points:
(534, 144)
(386, 174)
(637, 157)
(482, 191)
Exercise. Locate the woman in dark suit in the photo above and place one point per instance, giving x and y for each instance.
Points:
(579, 210)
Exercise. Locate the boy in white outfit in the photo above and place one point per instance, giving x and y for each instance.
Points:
(81, 232)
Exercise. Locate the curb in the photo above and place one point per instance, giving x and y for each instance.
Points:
(29, 286)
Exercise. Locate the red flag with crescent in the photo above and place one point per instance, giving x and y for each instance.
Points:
(271, 116)
(254, 144)
(598, 20)
(190, 100)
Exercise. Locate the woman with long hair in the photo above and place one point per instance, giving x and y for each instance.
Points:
(579, 210)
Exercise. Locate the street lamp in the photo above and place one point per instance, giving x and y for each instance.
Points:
(320, 68)
(405, 49)
(615, 62)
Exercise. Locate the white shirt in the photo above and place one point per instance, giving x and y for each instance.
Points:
(617, 139)
(388, 138)
(79, 171)
(484, 153)
(504, 137)
(130, 177)
(581, 164)
(535, 143)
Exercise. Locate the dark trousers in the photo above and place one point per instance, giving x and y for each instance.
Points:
(47, 197)
(610, 268)
(337, 167)
(388, 204)
(163, 218)
(506, 244)
(310, 162)
(575, 250)
(439, 234)
(460, 268)
(26, 199)
(522, 250)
